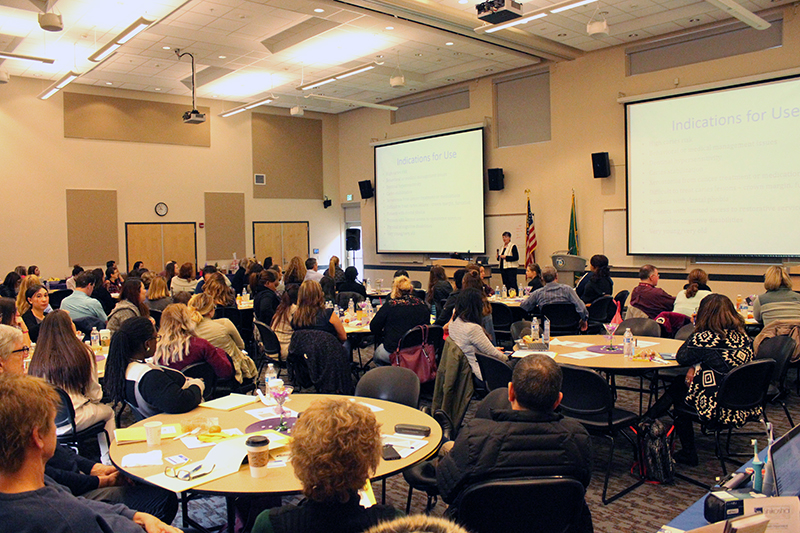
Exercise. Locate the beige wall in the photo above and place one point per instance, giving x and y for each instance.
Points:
(37, 165)
(586, 118)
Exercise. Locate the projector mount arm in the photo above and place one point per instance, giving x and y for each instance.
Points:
(180, 55)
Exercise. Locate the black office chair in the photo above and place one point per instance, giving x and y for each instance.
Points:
(420, 293)
(743, 388)
(56, 297)
(65, 416)
(520, 328)
(621, 298)
(155, 314)
(601, 311)
(588, 399)
(204, 371)
(553, 504)
(779, 349)
(564, 319)
(267, 348)
(422, 476)
(640, 327)
(502, 318)
(413, 337)
(496, 374)
(231, 313)
(317, 359)
(390, 383)
(684, 333)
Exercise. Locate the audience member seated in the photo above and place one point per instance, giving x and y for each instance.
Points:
(240, 276)
(718, 345)
(266, 300)
(158, 297)
(780, 302)
(39, 301)
(351, 283)
(295, 272)
(147, 277)
(113, 280)
(336, 447)
(33, 270)
(312, 270)
(216, 287)
(169, 272)
(100, 292)
(447, 311)
(281, 287)
(80, 303)
(597, 282)
(311, 312)
(467, 330)
(334, 270)
(208, 271)
(151, 389)
(401, 312)
(282, 321)
(185, 281)
(22, 302)
(64, 361)
(252, 278)
(416, 524)
(647, 297)
(688, 300)
(13, 350)
(10, 285)
(222, 334)
(179, 346)
(21, 270)
(521, 436)
(438, 288)
(31, 501)
(554, 292)
(533, 274)
(10, 317)
(131, 304)
(76, 269)
(472, 280)
(482, 274)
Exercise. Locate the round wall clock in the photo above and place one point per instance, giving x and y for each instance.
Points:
(161, 209)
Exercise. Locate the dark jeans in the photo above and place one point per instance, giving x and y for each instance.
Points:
(156, 501)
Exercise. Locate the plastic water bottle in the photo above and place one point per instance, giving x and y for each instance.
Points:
(351, 308)
(95, 339)
(627, 344)
(535, 329)
(546, 334)
(336, 310)
(370, 311)
(497, 290)
(271, 373)
(504, 292)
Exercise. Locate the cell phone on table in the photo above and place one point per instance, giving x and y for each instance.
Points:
(389, 453)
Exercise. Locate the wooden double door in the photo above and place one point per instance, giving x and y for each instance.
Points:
(281, 241)
(154, 244)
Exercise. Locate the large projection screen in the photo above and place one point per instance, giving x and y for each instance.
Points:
(429, 194)
(716, 173)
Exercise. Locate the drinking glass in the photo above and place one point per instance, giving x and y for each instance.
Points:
(611, 327)
(281, 394)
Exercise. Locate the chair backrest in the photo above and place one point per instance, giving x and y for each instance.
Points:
(56, 297)
(779, 349)
(542, 504)
(318, 358)
(622, 297)
(204, 371)
(231, 313)
(635, 312)
(155, 314)
(585, 392)
(684, 333)
(266, 339)
(496, 374)
(563, 317)
(745, 387)
(85, 324)
(65, 415)
(390, 383)
(642, 327)
(420, 293)
(137, 414)
(520, 328)
(501, 316)
(413, 337)
(343, 298)
(602, 309)
(328, 288)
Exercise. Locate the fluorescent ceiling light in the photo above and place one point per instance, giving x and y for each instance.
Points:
(511, 23)
(315, 84)
(58, 85)
(339, 76)
(353, 102)
(571, 6)
(358, 70)
(260, 102)
(126, 35)
(245, 107)
(10, 55)
(738, 11)
(232, 112)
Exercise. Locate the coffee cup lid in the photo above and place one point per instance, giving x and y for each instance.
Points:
(257, 440)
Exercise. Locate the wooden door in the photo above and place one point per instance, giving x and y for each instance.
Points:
(180, 244)
(295, 240)
(267, 241)
(144, 243)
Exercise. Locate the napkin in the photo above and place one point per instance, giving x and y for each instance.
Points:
(142, 459)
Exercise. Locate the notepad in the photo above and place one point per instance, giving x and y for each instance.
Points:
(230, 402)
(138, 434)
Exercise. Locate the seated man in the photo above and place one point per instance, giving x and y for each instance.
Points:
(525, 438)
(312, 270)
(554, 292)
(649, 298)
(30, 500)
(80, 303)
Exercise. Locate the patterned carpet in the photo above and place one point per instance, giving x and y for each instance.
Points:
(644, 510)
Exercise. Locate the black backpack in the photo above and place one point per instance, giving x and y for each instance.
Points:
(655, 454)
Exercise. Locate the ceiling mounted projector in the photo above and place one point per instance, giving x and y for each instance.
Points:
(397, 81)
(51, 22)
(497, 11)
(296, 111)
(597, 27)
(194, 117)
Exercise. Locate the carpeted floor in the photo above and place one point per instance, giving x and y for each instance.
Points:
(645, 509)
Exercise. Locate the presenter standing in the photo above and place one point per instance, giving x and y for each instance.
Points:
(509, 261)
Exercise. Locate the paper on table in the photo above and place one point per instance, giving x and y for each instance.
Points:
(645, 344)
(575, 344)
(525, 353)
(783, 512)
(142, 459)
(404, 445)
(373, 408)
(580, 355)
(138, 434)
(230, 402)
(556, 342)
(193, 442)
(270, 412)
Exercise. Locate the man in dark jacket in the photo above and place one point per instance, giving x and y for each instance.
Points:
(522, 436)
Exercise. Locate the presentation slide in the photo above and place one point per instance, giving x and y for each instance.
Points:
(429, 194)
(715, 173)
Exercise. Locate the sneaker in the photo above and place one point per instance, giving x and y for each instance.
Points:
(686, 457)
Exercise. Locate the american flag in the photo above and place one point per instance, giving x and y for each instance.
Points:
(530, 241)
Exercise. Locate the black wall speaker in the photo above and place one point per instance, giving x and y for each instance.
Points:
(352, 239)
(601, 165)
(366, 190)
(495, 179)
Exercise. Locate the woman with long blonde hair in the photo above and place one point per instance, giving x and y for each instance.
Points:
(179, 346)
(295, 272)
(219, 290)
(780, 302)
(22, 301)
(158, 297)
(399, 314)
(334, 270)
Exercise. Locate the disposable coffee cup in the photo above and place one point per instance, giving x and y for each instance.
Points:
(153, 432)
(105, 337)
(257, 455)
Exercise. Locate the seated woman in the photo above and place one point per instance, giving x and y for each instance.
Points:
(100, 293)
(534, 276)
(688, 300)
(151, 389)
(179, 346)
(282, 321)
(23, 305)
(281, 286)
(113, 280)
(158, 297)
(185, 281)
(252, 279)
(38, 301)
(10, 285)
(131, 304)
(64, 361)
(295, 272)
(312, 314)
(401, 312)
(10, 317)
(780, 302)
(597, 282)
(334, 270)
(350, 283)
(438, 289)
(219, 290)
(240, 276)
(336, 446)
(471, 280)
(468, 333)
(267, 300)
(222, 334)
(718, 344)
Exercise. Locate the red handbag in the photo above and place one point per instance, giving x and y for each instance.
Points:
(420, 359)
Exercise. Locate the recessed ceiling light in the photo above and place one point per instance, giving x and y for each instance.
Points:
(603, 13)
(319, 10)
(462, 1)
(562, 34)
(634, 6)
(389, 27)
(451, 79)
(633, 35)
(109, 83)
(166, 48)
(418, 55)
(694, 20)
(223, 57)
(158, 88)
(489, 53)
(213, 96)
(411, 90)
(448, 44)
(489, 70)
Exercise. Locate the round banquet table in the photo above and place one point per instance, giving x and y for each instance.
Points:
(615, 363)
